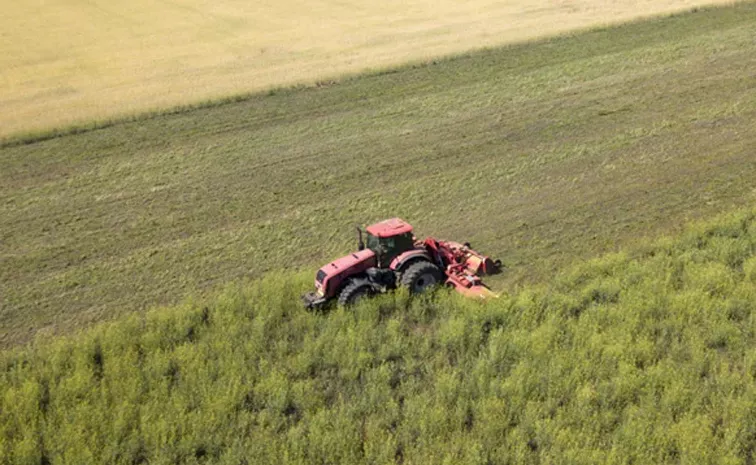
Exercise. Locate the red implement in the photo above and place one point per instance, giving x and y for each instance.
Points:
(463, 267)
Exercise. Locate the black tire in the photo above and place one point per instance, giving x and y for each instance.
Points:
(354, 291)
(421, 276)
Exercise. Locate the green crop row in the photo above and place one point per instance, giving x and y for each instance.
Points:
(646, 356)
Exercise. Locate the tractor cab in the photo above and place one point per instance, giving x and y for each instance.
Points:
(389, 239)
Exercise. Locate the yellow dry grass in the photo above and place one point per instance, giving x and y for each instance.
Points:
(69, 61)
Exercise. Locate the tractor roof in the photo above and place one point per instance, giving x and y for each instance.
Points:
(389, 228)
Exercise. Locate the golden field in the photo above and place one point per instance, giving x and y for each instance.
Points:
(68, 61)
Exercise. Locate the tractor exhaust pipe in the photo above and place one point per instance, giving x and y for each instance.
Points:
(360, 244)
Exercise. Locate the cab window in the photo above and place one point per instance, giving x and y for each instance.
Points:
(372, 243)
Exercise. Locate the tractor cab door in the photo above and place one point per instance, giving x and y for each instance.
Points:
(388, 248)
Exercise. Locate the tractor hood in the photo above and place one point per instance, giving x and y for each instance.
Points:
(331, 277)
(366, 258)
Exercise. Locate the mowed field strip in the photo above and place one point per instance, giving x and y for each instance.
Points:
(539, 154)
(69, 61)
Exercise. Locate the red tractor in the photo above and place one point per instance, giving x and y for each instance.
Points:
(394, 257)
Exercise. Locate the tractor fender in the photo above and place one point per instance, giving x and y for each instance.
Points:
(402, 260)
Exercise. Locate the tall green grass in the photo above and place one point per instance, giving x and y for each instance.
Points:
(646, 356)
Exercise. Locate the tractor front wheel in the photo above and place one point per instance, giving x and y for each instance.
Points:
(354, 291)
(422, 275)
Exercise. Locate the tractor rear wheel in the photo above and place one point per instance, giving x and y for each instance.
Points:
(422, 275)
(354, 291)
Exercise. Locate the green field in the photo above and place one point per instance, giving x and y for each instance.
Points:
(539, 154)
(642, 357)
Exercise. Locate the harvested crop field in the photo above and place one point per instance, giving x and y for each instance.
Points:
(66, 61)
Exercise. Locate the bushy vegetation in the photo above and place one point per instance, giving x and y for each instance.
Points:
(646, 356)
